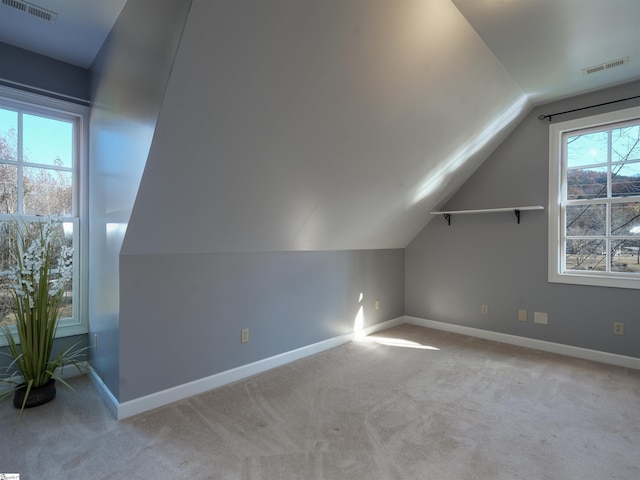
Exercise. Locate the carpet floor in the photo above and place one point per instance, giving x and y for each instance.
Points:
(406, 403)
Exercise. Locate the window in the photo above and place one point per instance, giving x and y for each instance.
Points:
(594, 200)
(42, 158)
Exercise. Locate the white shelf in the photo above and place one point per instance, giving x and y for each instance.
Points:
(447, 213)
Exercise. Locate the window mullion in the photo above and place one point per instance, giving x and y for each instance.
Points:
(20, 172)
(609, 244)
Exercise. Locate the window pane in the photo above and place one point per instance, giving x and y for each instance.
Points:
(587, 149)
(586, 220)
(8, 135)
(47, 191)
(625, 219)
(625, 180)
(587, 183)
(47, 141)
(6, 260)
(8, 188)
(66, 306)
(586, 255)
(625, 256)
(625, 144)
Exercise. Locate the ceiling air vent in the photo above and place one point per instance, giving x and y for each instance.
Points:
(605, 66)
(31, 9)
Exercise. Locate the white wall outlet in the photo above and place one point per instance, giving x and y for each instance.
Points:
(522, 315)
(618, 328)
(485, 310)
(540, 317)
(377, 304)
(244, 335)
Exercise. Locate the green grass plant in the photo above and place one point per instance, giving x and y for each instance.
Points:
(38, 281)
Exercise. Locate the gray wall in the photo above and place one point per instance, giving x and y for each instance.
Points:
(181, 315)
(59, 345)
(128, 81)
(28, 68)
(253, 167)
(490, 259)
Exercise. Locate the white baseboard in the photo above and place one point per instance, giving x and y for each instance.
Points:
(103, 391)
(179, 392)
(378, 327)
(568, 350)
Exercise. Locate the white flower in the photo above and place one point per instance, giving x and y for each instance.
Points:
(41, 255)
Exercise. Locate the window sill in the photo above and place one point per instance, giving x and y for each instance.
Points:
(68, 330)
(595, 281)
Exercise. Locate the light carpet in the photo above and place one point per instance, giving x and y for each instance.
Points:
(406, 403)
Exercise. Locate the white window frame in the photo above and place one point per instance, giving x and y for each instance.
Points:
(557, 192)
(79, 114)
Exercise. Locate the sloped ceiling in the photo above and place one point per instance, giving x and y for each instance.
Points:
(545, 45)
(312, 125)
(317, 125)
(75, 36)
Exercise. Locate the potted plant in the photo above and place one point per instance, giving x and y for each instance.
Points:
(38, 282)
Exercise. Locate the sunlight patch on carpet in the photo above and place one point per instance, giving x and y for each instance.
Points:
(396, 342)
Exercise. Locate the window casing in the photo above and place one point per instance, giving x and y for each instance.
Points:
(594, 200)
(43, 172)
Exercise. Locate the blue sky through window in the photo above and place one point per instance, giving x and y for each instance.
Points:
(44, 139)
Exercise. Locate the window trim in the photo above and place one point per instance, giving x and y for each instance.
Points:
(556, 194)
(42, 105)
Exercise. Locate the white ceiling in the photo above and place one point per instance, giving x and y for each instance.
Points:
(351, 104)
(543, 44)
(76, 35)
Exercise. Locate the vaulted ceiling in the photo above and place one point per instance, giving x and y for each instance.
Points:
(544, 45)
(338, 125)
(68, 30)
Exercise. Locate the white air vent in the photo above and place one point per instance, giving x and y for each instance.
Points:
(31, 9)
(605, 66)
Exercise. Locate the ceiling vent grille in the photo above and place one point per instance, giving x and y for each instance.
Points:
(31, 9)
(606, 66)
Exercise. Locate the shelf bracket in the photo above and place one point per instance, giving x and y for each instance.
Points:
(447, 217)
(517, 212)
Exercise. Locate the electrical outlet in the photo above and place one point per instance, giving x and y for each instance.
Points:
(618, 328)
(540, 317)
(485, 310)
(244, 335)
(522, 315)
(377, 304)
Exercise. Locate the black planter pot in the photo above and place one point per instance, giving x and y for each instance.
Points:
(37, 395)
